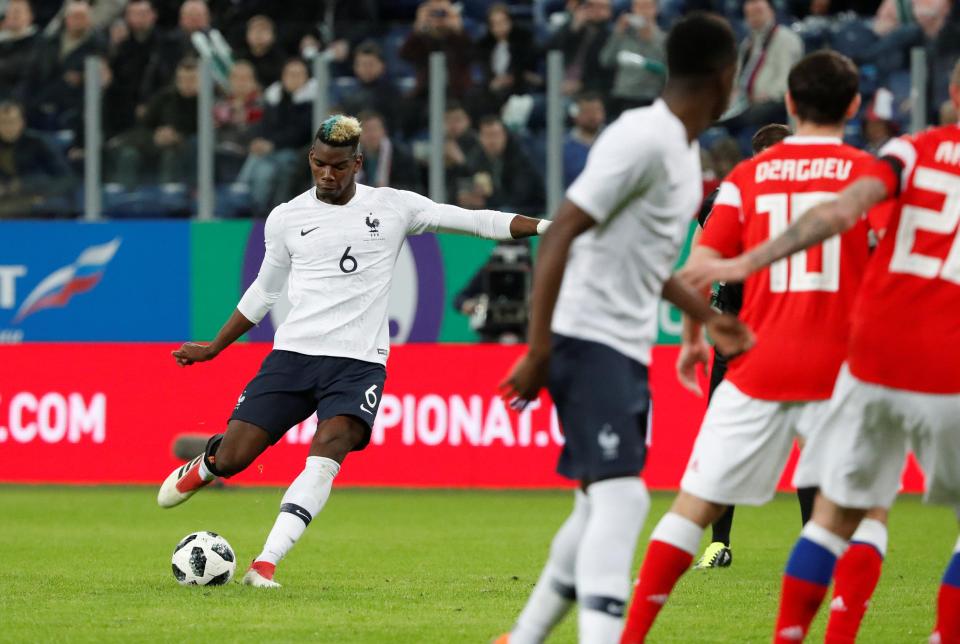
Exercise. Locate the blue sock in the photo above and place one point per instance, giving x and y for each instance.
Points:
(951, 576)
(815, 555)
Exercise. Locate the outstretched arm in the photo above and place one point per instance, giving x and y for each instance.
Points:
(432, 217)
(255, 303)
(817, 224)
(529, 375)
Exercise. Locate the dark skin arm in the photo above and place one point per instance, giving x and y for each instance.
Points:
(191, 352)
(521, 226)
(530, 373)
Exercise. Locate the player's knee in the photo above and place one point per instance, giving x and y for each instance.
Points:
(338, 437)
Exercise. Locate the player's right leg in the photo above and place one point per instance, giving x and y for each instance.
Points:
(225, 455)
(602, 400)
(718, 554)
(738, 456)
(859, 449)
(279, 396)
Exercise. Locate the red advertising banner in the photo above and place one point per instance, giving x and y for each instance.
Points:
(109, 413)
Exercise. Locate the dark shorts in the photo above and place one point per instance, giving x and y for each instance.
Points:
(717, 372)
(603, 400)
(290, 387)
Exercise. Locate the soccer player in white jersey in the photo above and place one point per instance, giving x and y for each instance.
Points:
(338, 243)
(612, 245)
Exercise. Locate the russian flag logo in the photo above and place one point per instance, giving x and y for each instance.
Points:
(61, 285)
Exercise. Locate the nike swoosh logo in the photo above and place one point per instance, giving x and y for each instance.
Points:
(307, 232)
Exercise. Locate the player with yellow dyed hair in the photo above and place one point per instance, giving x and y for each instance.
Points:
(337, 243)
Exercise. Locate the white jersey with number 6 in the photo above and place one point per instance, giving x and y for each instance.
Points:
(340, 262)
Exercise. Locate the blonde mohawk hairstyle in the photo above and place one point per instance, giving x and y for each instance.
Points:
(339, 130)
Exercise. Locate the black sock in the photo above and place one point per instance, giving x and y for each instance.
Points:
(210, 452)
(722, 526)
(806, 495)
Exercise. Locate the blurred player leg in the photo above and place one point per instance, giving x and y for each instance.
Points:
(738, 456)
(805, 496)
(718, 554)
(618, 508)
(555, 591)
(308, 493)
(856, 577)
(810, 568)
(673, 545)
(948, 602)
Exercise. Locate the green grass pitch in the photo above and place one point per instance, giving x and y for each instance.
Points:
(93, 565)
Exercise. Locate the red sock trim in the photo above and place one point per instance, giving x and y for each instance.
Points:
(264, 568)
(191, 480)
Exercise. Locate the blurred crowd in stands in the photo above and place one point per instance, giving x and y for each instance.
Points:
(494, 149)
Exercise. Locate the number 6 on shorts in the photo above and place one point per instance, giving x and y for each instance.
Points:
(371, 396)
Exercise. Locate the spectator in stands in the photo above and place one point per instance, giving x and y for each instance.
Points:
(32, 173)
(133, 43)
(234, 117)
(507, 55)
(283, 131)
(374, 91)
(111, 122)
(18, 35)
(588, 119)
(194, 16)
(262, 50)
(385, 162)
(439, 27)
(53, 86)
(636, 84)
(162, 146)
(948, 113)
(581, 40)
(766, 55)
(459, 142)
(499, 175)
(879, 125)
(102, 14)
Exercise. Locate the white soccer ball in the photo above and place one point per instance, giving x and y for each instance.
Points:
(203, 559)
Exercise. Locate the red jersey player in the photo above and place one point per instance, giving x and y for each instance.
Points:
(799, 311)
(900, 386)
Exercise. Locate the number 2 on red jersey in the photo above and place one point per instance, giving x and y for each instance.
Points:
(915, 218)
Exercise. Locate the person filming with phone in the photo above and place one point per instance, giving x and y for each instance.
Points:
(635, 50)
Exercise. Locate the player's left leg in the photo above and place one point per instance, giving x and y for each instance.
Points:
(556, 590)
(618, 508)
(856, 576)
(335, 438)
(859, 450)
(673, 544)
(348, 393)
(718, 554)
(740, 451)
(947, 628)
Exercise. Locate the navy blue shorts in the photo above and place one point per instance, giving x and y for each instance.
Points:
(603, 400)
(291, 386)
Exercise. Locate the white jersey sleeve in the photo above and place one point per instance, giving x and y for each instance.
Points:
(619, 169)
(267, 288)
(426, 216)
